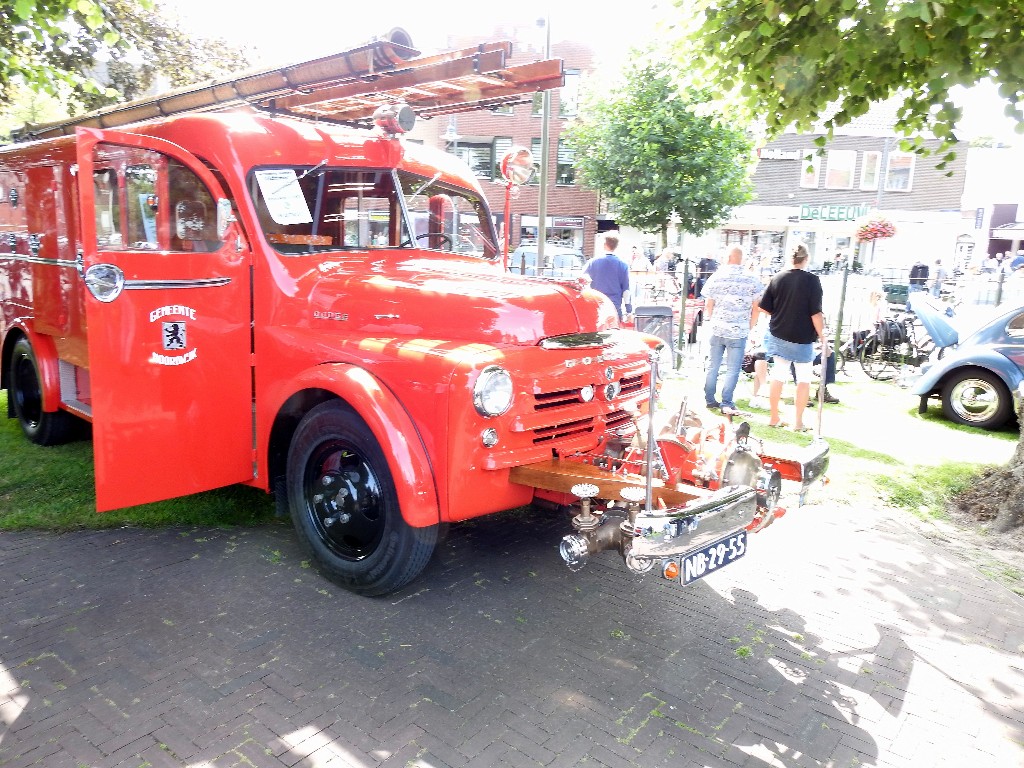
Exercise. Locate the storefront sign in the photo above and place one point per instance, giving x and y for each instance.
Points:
(833, 212)
(569, 222)
(779, 154)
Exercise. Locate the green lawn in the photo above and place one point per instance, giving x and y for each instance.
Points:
(882, 451)
(52, 489)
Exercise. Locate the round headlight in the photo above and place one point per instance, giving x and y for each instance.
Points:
(492, 393)
(586, 393)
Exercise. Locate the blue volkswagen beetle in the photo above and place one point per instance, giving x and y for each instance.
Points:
(978, 378)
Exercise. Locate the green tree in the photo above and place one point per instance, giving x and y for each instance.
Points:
(793, 62)
(647, 147)
(154, 44)
(48, 44)
(62, 48)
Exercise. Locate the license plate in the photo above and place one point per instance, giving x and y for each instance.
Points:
(712, 557)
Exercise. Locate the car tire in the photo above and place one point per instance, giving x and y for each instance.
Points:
(977, 398)
(26, 392)
(344, 506)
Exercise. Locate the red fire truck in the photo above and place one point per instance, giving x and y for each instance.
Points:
(267, 295)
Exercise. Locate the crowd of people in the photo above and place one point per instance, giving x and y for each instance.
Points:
(781, 347)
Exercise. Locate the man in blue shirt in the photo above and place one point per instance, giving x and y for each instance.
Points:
(610, 275)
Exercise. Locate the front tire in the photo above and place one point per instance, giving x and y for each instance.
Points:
(26, 392)
(977, 398)
(344, 506)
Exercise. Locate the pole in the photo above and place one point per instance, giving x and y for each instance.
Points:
(678, 356)
(507, 223)
(545, 160)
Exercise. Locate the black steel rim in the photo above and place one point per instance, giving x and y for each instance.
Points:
(343, 500)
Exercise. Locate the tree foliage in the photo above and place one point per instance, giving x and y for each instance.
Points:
(793, 62)
(645, 147)
(90, 53)
(155, 44)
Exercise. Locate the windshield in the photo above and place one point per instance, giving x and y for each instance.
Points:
(447, 218)
(315, 209)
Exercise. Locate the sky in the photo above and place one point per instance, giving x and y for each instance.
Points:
(313, 28)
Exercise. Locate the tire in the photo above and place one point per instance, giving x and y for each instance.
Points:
(876, 360)
(26, 393)
(344, 506)
(977, 398)
(697, 321)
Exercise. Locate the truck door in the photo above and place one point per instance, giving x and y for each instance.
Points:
(168, 316)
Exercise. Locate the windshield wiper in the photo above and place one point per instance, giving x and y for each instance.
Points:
(301, 176)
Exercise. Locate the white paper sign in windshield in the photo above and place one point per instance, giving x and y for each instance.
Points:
(283, 195)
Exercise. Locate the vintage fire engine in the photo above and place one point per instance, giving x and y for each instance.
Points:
(243, 283)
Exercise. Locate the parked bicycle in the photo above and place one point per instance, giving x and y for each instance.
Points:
(895, 343)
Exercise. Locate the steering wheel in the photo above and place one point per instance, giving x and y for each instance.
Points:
(441, 235)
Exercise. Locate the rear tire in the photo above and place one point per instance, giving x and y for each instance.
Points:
(26, 393)
(344, 506)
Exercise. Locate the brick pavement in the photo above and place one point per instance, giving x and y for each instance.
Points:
(844, 638)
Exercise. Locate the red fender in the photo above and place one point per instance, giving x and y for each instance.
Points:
(46, 360)
(395, 431)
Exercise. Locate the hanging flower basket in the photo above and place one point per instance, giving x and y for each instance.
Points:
(875, 230)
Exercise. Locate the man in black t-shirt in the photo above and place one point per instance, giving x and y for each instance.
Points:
(793, 300)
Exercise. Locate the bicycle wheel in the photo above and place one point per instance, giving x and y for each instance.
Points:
(877, 360)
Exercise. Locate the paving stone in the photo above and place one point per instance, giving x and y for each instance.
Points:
(118, 646)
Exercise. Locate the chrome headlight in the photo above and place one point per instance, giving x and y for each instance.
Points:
(492, 393)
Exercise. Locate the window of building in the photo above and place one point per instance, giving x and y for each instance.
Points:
(810, 170)
(565, 171)
(569, 96)
(899, 172)
(537, 108)
(840, 168)
(869, 170)
(502, 144)
(535, 146)
(479, 156)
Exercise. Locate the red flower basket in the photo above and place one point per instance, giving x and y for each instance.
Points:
(875, 230)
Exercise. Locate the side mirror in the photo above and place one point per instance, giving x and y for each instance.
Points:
(517, 165)
(224, 217)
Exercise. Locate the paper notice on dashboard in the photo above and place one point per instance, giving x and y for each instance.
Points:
(283, 195)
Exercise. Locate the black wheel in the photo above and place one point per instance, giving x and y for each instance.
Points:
(344, 506)
(692, 338)
(41, 427)
(877, 361)
(977, 398)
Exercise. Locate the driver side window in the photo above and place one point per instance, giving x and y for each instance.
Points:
(146, 201)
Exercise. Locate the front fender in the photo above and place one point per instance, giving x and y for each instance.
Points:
(393, 428)
(986, 359)
(46, 360)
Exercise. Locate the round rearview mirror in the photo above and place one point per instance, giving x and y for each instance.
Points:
(517, 165)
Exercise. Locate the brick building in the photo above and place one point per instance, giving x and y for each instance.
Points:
(481, 138)
(821, 200)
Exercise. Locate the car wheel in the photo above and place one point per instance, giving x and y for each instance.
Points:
(344, 506)
(977, 398)
(39, 426)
